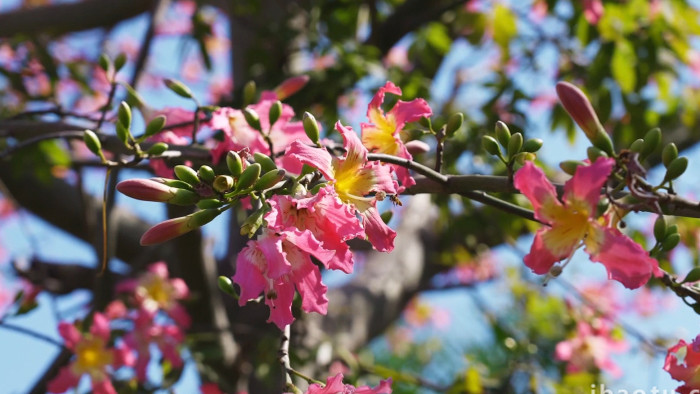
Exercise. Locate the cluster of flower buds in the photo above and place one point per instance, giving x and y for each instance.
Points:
(517, 149)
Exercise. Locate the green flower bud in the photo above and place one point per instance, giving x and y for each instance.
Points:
(157, 148)
(253, 222)
(122, 133)
(248, 177)
(637, 145)
(176, 183)
(532, 145)
(266, 163)
(124, 114)
(223, 183)
(178, 88)
(183, 197)
(671, 242)
(311, 127)
(270, 179)
(92, 142)
(209, 203)
(522, 157)
(454, 123)
(693, 276)
(672, 229)
(594, 153)
(200, 218)
(234, 163)
(275, 112)
(119, 61)
(502, 133)
(155, 126)
(186, 174)
(249, 93)
(569, 166)
(491, 145)
(651, 141)
(386, 216)
(676, 168)
(515, 144)
(660, 228)
(669, 154)
(206, 174)
(252, 118)
(104, 62)
(226, 285)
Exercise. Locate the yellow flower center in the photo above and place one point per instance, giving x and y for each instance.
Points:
(381, 136)
(92, 356)
(570, 224)
(158, 290)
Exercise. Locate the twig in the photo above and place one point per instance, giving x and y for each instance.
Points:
(31, 333)
(284, 357)
(157, 13)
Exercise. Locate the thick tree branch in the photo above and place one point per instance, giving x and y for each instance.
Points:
(70, 17)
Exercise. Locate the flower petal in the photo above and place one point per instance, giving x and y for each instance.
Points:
(410, 111)
(63, 381)
(71, 335)
(100, 326)
(379, 234)
(281, 303)
(540, 259)
(315, 157)
(248, 272)
(587, 182)
(532, 183)
(625, 260)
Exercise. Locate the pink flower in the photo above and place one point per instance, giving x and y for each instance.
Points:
(382, 134)
(593, 11)
(93, 357)
(572, 223)
(334, 385)
(590, 349)
(683, 364)
(146, 331)
(329, 220)
(276, 263)
(155, 290)
(353, 178)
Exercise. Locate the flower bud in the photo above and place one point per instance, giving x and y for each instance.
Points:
(522, 157)
(249, 92)
(157, 149)
(248, 177)
(693, 276)
(676, 168)
(155, 190)
(155, 125)
(252, 118)
(178, 88)
(169, 229)
(124, 114)
(386, 216)
(637, 145)
(581, 111)
(104, 62)
(226, 285)
(669, 154)
(275, 112)
(311, 127)
(660, 228)
(671, 242)
(209, 203)
(93, 142)
(569, 166)
(186, 174)
(454, 123)
(206, 174)
(119, 61)
(515, 144)
(122, 133)
(290, 86)
(270, 179)
(416, 147)
(651, 140)
(491, 145)
(223, 183)
(502, 133)
(253, 222)
(266, 163)
(234, 163)
(594, 153)
(532, 145)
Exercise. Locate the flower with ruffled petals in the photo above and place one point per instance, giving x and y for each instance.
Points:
(683, 363)
(335, 385)
(155, 290)
(276, 263)
(590, 349)
(93, 357)
(353, 178)
(329, 220)
(383, 133)
(572, 221)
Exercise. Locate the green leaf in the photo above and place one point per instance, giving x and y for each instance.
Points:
(623, 65)
(505, 26)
